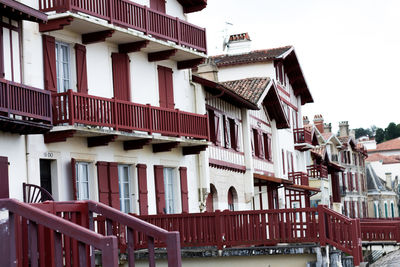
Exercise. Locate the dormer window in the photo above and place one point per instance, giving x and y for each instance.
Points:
(280, 73)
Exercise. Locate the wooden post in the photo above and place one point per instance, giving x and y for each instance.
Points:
(356, 243)
(111, 11)
(178, 122)
(218, 229)
(322, 225)
(71, 107)
(149, 119)
(115, 111)
(8, 98)
(146, 20)
(178, 30)
(174, 249)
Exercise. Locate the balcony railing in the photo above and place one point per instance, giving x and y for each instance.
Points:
(317, 171)
(127, 14)
(25, 103)
(301, 136)
(299, 178)
(70, 108)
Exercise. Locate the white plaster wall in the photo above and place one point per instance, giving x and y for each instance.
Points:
(76, 147)
(246, 71)
(172, 7)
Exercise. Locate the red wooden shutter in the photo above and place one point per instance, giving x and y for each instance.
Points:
(170, 88)
(256, 143)
(121, 76)
(49, 63)
(81, 68)
(184, 189)
(73, 179)
(4, 188)
(160, 191)
(102, 178)
(142, 181)
(114, 185)
(165, 87)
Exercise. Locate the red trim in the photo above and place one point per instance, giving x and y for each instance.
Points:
(264, 173)
(220, 164)
(289, 104)
(282, 90)
(260, 120)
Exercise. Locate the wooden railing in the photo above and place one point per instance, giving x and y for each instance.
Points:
(299, 178)
(107, 221)
(25, 101)
(301, 136)
(383, 230)
(132, 15)
(70, 108)
(317, 171)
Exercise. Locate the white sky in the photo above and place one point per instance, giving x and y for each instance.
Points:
(348, 50)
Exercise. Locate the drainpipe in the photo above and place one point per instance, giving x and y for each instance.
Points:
(27, 155)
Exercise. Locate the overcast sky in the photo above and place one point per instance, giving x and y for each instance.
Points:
(349, 50)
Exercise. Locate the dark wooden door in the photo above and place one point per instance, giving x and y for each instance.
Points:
(45, 174)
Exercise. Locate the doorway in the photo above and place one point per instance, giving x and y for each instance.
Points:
(45, 174)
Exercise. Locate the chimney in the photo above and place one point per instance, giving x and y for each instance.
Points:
(388, 180)
(306, 121)
(239, 43)
(208, 70)
(327, 127)
(319, 122)
(343, 128)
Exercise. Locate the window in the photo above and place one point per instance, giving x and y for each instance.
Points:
(82, 180)
(376, 209)
(386, 210)
(10, 58)
(165, 87)
(227, 132)
(170, 191)
(63, 62)
(214, 124)
(124, 188)
(392, 208)
(232, 198)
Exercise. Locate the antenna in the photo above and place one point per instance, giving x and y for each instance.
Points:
(225, 35)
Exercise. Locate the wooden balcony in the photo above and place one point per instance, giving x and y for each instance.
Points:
(72, 108)
(303, 139)
(317, 171)
(127, 14)
(299, 178)
(24, 109)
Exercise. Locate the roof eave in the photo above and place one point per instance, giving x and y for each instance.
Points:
(24, 12)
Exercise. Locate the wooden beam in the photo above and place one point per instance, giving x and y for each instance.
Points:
(100, 140)
(136, 144)
(95, 37)
(55, 24)
(162, 55)
(60, 136)
(189, 64)
(164, 147)
(132, 47)
(191, 150)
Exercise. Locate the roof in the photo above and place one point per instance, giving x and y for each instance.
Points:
(264, 55)
(17, 11)
(224, 92)
(250, 89)
(383, 158)
(272, 179)
(393, 144)
(374, 182)
(326, 136)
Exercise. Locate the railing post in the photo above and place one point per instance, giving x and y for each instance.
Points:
(218, 229)
(8, 98)
(322, 225)
(178, 30)
(174, 249)
(356, 242)
(146, 20)
(111, 11)
(11, 235)
(71, 107)
(178, 122)
(109, 255)
(149, 119)
(208, 127)
(115, 111)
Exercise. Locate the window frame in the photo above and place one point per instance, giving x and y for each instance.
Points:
(78, 180)
(122, 190)
(59, 66)
(175, 200)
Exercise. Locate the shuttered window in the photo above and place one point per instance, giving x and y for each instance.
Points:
(184, 189)
(108, 182)
(63, 65)
(121, 76)
(165, 87)
(227, 132)
(124, 188)
(4, 187)
(158, 5)
(49, 62)
(81, 69)
(142, 183)
(214, 123)
(234, 132)
(10, 58)
(159, 184)
(82, 180)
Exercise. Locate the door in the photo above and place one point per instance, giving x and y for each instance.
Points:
(45, 174)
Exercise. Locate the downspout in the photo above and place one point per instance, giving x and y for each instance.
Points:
(27, 155)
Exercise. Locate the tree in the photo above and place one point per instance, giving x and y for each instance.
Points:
(362, 132)
(392, 131)
(379, 135)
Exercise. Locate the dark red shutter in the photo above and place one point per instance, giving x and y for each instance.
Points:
(49, 63)
(73, 179)
(256, 141)
(210, 202)
(184, 189)
(1, 54)
(142, 181)
(121, 76)
(81, 68)
(170, 88)
(165, 87)
(4, 188)
(160, 191)
(114, 185)
(356, 178)
(102, 178)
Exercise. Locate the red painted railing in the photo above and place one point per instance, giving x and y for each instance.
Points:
(299, 178)
(131, 15)
(108, 221)
(317, 171)
(25, 101)
(380, 230)
(80, 108)
(301, 136)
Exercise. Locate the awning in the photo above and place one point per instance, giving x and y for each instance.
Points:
(18, 11)
(302, 188)
(272, 179)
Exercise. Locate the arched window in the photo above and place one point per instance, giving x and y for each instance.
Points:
(392, 208)
(232, 198)
(386, 210)
(376, 209)
(211, 199)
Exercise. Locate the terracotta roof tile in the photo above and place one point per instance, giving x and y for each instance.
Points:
(250, 89)
(393, 144)
(251, 57)
(383, 158)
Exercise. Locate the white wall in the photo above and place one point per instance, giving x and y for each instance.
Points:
(246, 71)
